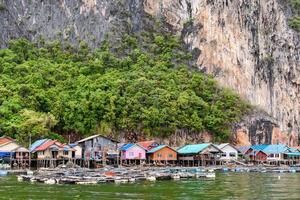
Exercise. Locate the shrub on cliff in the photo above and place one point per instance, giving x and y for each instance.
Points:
(294, 22)
(143, 86)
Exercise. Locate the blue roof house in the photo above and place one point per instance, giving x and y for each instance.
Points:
(132, 152)
(273, 152)
(204, 153)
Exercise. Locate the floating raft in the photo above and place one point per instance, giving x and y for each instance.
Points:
(118, 175)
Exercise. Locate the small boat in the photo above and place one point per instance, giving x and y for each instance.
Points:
(151, 178)
(86, 182)
(163, 177)
(121, 180)
(20, 178)
(225, 169)
(131, 180)
(3, 172)
(210, 175)
(29, 172)
(50, 181)
(183, 175)
(201, 175)
(101, 181)
(175, 176)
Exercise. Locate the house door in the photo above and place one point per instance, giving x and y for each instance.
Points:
(140, 155)
(54, 154)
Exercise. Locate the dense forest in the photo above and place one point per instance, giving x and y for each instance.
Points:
(144, 85)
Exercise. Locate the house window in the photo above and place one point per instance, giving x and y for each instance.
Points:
(159, 155)
(66, 153)
(271, 155)
(170, 155)
(40, 153)
(131, 153)
(223, 154)
(277, 155)
(232, 154)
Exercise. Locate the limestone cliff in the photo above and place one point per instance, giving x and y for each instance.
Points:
(245, 45)
(248, 46)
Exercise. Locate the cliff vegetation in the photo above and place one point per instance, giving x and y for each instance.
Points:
(294, 21)
(144, 85)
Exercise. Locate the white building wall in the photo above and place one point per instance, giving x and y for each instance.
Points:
(228, 149)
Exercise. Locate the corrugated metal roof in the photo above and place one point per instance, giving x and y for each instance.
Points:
(275, 148)
(259, 147)
(243, 149)
(221, 146)
(72, 145)
(125, 147)
(153, 150)
(21, 149)
(193, 148)
(5, 139)
(293, 154)
(94, 136)
(293, 150)
(49, 143)
(36, 144)
(88, 138)
(147, 144)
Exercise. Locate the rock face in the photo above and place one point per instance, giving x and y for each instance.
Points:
(67, 20)
(245, 45)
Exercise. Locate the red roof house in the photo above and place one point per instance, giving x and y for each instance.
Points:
(5, 139)
(148, 144)
(52, 149)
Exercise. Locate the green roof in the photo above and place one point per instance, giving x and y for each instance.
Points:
(293, 154)
(157, 148)
(193, 148)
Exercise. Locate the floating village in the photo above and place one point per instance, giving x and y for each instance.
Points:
(99, 159)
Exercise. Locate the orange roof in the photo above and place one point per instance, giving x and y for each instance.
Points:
(47, 144)
(146, 144)
(5, 139)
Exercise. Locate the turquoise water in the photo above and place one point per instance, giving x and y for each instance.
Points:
(225, 186)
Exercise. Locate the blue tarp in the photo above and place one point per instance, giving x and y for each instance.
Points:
(6, 154)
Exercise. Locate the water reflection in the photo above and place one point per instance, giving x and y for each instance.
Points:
(225, 186)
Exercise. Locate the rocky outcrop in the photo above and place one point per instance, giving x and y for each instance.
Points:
(67, 20)
(245, 45)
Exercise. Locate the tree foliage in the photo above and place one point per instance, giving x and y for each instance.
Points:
(142, 85)
(294, 21)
